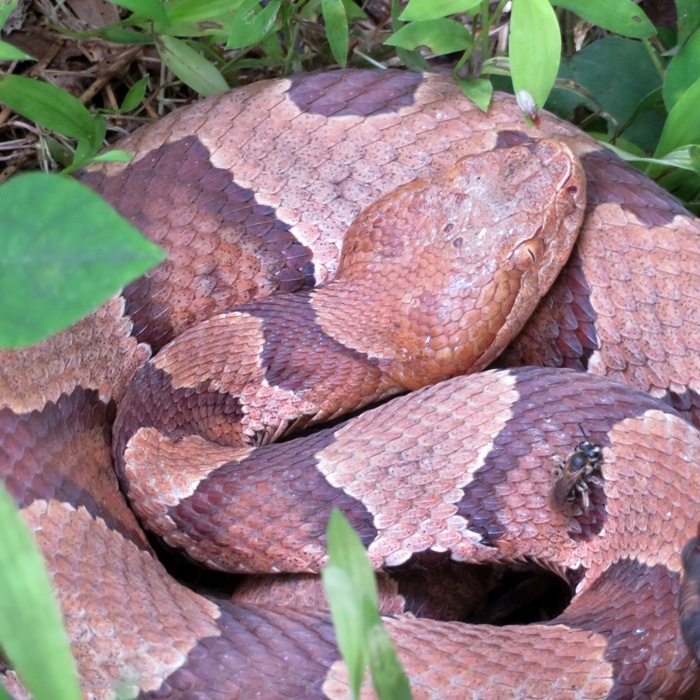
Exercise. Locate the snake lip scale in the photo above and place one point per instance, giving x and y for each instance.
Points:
(289, 209)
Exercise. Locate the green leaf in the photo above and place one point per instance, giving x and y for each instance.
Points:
(441, 36)
(352, 11)
(351, 589)
(388, 677)
(6, 7)
(336, 29)
(688, 19)
(682, 71)
(8, 52)
(52, 108)
(535, 48)
(152, 9)
(135, 95)
(31, 627)
(197, 10)
(63, 252)
(347, 552)
(252, 23)
(682, 126)
(620, 16)
(111, 157)
(478, 90)
(347, 622)
(433, 9)
(119, 35)
(191, 67)
(685, 158)
(188, 18)
(602, 70)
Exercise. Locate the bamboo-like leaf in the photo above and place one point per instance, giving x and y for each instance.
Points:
(351, 589)
(190, 66)
(252, 23)
(135, 95)
(434, 9)
(6, 8)
(152, 9)
(31, 628)
(51, 107)
(8, 52)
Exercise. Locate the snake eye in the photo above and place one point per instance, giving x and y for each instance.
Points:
(528, 254)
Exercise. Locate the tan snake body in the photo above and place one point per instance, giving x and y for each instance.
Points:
(251, 192)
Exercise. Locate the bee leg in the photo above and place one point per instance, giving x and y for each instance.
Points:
(582, 487)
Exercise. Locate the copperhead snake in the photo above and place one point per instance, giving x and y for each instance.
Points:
(251, 193)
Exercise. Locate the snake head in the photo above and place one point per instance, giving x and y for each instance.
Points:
(450, 269)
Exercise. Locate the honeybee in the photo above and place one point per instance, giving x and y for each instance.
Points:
(573, 477)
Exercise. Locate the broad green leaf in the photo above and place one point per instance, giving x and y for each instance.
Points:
(351, 590)
(478, 90)
(601, 71)
(434, 9)
(31, 627)
(252, 23)
(412, 59)
(63, 252)
(623, 17)
(8, 52)
(682, 126)
(190, 66)
(441, 36)
(135, 95)
(336, 29)
(682, 71)
(535, 48)
(52, 108)
(152, 9)
(688, 19)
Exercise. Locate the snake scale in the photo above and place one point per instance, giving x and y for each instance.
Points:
(251, 192)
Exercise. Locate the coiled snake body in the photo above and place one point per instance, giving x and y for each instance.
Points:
(251, 192)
